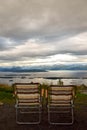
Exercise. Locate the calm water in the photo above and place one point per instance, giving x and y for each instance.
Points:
(50, 77)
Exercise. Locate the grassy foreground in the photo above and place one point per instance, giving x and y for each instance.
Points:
(81, 98)
(7, 94)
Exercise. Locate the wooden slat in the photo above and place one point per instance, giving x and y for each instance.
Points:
(53, 104)
(26, 86)
(61, 88)
(61, 97)
(26, 104)
(60, 92)
(27, 96)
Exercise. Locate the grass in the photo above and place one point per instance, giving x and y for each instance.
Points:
(6, 97)
(81, 98)
(6, 94)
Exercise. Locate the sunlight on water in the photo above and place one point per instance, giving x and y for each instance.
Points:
(50, 77)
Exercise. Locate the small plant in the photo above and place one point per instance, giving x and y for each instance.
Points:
(60, 82)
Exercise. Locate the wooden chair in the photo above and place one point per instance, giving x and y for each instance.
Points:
(28, 103)
(60, 104)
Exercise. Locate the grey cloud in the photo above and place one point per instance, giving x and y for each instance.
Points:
(31, 56)
(7, 58)
(62, 35)
(25, 19)
(77, 53)
(49, 21)
(5, 44)
(72, 52)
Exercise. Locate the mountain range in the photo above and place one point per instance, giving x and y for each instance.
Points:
(44, 68)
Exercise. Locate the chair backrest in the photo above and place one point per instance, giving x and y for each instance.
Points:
(27, 93)
(60, 95)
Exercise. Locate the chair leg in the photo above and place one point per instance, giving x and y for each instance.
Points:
(59, 123)
(21, 122)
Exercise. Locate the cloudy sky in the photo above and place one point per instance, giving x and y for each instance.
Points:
(43, 32)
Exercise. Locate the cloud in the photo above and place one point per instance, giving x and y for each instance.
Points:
(38, 31)
(25, 19)
(35, 51)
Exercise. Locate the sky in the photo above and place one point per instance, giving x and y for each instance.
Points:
(43, 32)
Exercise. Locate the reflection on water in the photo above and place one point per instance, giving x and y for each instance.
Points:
(50, 77)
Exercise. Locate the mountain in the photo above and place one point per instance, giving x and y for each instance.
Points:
(44, 68)
(69, 67)
(20, 69)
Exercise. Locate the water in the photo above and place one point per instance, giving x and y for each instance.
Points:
(50, 77)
